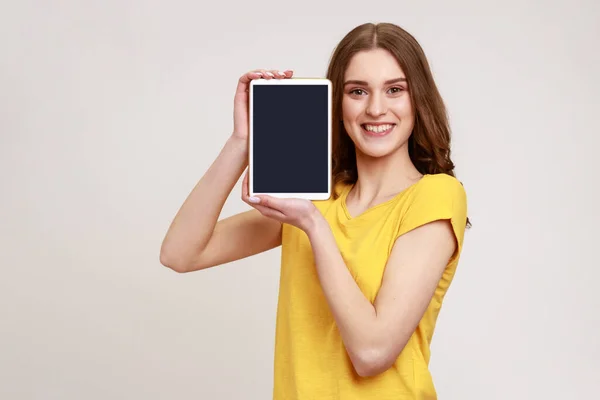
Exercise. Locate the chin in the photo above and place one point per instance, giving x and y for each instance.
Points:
(375, 151)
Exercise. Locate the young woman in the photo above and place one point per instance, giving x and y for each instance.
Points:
(363, 274)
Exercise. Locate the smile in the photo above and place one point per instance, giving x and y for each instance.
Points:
(377, 130)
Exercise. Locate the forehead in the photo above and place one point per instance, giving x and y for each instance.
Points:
(373, 66)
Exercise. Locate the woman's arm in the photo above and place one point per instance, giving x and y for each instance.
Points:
(197, 240)
(375, 334)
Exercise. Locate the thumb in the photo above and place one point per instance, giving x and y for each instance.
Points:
(268, 201)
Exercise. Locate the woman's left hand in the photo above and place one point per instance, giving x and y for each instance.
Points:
(300, 213)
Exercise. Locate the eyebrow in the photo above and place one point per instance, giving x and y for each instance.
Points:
(389, 82)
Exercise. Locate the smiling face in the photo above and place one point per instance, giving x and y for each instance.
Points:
(376, 107)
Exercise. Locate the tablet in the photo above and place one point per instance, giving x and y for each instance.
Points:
(290, 138)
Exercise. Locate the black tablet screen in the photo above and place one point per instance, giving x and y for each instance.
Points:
(290, 138)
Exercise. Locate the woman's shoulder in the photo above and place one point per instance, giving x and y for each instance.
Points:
(440, 184)
(435, 193)
(435, 197)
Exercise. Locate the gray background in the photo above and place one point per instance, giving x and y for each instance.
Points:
(111, 111)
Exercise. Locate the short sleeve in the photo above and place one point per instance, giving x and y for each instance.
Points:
(440, 197)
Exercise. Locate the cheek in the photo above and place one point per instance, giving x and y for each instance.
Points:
(350, 109)
(403, 107)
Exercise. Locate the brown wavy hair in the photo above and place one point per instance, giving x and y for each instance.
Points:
(429, 143)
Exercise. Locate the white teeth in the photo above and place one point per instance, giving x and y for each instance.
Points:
(378, 128)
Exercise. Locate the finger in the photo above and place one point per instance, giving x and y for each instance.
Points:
(247, 77)
(271, 202)
(279, 74)
(250, 75)
(265, 201)
(269, 74)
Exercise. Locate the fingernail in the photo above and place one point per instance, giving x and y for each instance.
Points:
(254, 199)
(270, 74)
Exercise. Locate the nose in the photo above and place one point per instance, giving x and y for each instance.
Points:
(376, 106)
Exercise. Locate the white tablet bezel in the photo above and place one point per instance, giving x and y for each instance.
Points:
(290, 81)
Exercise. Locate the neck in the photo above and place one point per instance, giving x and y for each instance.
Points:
(382, 177)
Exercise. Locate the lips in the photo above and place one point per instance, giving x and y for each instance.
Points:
(377, 130)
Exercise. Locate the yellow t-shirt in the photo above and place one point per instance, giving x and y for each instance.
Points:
(311, 362)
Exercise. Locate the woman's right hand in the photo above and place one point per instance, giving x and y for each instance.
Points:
(240, 103)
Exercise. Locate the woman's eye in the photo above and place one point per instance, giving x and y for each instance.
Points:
(360, 92)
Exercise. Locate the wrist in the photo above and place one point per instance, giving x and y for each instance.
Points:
(317, 225)
(238, 144)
